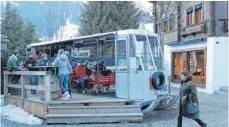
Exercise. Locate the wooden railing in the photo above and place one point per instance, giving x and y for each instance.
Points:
(47, 87)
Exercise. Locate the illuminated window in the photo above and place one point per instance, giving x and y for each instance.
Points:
(198, 13)
(189, 16)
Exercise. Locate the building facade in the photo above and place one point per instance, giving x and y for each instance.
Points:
(196, 39)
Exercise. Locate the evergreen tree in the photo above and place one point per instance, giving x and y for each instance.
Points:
(106, 16)
(19, 33)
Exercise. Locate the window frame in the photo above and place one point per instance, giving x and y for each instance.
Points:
(189, 14)
(198, 9)
(172, 23)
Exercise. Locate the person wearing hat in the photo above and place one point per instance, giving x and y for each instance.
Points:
(63, 73)
(67, 53)
(80, 73)
(31, 61)
(70, 59)
(12, 65)
(44, 60)
(188, 95)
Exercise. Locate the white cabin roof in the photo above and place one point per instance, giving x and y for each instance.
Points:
(120, 32)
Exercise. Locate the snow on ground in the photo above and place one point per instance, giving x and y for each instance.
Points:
(16, 114)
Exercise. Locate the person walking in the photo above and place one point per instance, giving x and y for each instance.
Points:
(188, 104)
(64, 70)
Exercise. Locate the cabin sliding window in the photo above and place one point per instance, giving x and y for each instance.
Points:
(143, 52)
(157, 56)
(121, 54)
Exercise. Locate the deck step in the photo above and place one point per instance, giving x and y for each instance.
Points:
(94, 109)
(88, 103)
(94, 118)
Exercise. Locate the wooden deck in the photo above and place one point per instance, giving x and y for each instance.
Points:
(81, 108)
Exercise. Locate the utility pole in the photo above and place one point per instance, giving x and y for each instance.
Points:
(178, 21)
(212, 19)
(155, 16)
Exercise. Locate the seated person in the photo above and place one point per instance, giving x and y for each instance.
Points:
(80, 72)
(44, 61)
(12, 65)
(101, 66)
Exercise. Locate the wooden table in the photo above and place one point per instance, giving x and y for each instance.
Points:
(44, 68)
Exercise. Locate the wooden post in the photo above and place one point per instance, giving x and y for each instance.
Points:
(5, 84)
(22, 90)
(47, 88)
(25, 82)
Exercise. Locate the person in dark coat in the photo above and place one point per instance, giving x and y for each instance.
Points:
(29, 63)
(188, 93)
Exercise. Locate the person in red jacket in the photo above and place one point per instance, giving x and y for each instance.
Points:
(80, 73)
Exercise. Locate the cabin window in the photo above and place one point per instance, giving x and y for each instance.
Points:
(121, 54)
(189, 18)
(198, 13)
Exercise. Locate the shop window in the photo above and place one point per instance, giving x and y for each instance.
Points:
(198, 13)
(178, 65)
(189, 18)
(197, 65)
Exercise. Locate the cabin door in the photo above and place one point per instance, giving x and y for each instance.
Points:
(122, 64)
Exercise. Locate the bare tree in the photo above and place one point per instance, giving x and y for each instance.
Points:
(52, 17)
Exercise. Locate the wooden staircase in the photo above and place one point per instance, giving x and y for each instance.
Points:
(93, 111)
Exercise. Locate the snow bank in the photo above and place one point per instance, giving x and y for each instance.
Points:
(16, 114)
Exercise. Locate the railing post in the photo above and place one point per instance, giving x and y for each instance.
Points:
(22, 90)
(6, 77)
(47, 88)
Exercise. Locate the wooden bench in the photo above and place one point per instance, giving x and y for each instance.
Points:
(110, 79)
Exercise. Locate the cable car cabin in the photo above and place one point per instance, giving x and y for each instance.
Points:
(133, 61)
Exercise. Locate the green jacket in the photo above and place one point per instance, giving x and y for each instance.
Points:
(12, 62)
(188, 88)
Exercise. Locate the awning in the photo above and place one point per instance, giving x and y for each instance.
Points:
(198, 6)
(194, 41)
(189, 10)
